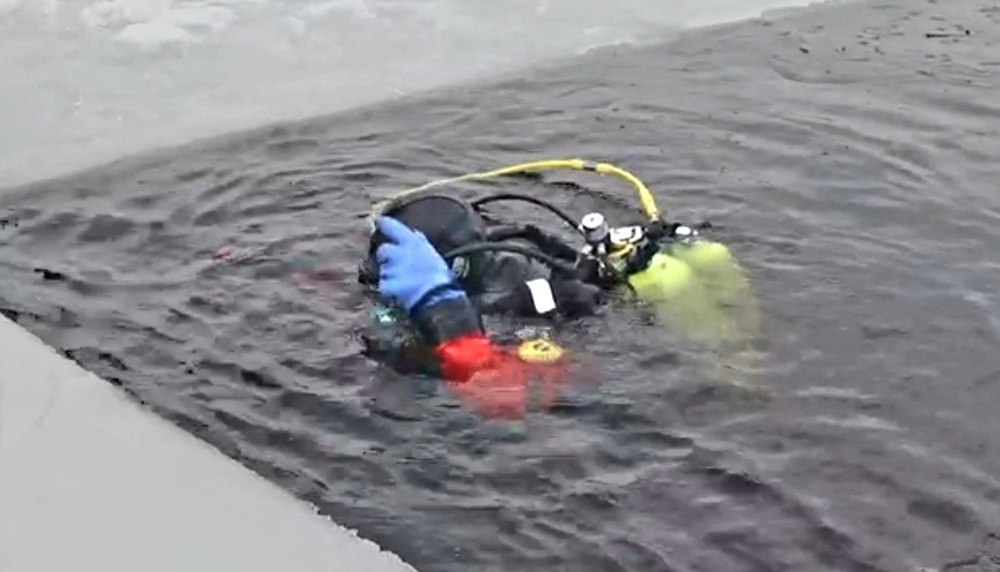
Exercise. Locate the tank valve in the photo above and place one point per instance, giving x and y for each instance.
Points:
(595, 228)
(685, 234)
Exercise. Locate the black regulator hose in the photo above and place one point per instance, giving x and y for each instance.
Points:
(476, 247)
(528, 199)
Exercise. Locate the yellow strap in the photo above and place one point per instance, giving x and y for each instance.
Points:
(646, 199)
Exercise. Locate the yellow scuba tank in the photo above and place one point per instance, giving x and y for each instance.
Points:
(727, 294)
(697, 287)
(705, 256)
(711, 261)
(664, 279)
(671, 287)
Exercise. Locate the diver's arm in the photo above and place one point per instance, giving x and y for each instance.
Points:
(452, 326)
(484, 375)
(416, 277)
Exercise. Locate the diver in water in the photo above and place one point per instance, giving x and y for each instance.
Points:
(494, 379)
(439, 265)
(445, 303)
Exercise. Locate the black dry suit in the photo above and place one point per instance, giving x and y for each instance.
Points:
(504, 268)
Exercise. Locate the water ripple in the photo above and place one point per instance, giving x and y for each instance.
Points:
(845, 156)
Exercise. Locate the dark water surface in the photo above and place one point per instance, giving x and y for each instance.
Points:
(848, 159)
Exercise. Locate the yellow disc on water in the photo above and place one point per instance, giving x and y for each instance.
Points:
(704, 255)
(665, 277)
(539, 351)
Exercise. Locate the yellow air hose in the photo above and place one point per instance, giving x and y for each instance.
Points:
(646, 199)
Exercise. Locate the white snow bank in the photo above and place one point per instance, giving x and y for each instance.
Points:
(91, 481)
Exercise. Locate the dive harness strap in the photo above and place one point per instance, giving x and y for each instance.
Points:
(543, 299)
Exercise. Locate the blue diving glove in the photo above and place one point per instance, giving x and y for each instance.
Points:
(411, 272)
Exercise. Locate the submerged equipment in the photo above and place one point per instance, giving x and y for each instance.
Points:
(657, 260)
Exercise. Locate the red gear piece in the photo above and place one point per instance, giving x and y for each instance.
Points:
(494, 381)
